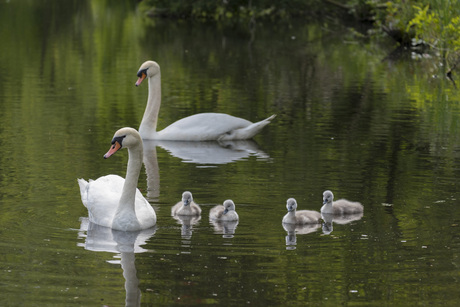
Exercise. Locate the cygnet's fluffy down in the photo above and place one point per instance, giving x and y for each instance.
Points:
(186, 206)
(300, 217)
(341, 206)
(224, 212)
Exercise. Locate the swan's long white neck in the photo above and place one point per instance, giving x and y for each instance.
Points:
(150, 118)
(125, 216)
(132, 177)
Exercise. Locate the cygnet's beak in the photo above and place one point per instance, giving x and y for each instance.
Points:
(225, 211)
(324, 201)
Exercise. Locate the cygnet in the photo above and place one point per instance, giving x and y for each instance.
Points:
(300, 217)
(186, 206)
(224, 212)
(341, 206)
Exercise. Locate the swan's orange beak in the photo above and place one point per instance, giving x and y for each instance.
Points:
(115, 147)
(141, 78)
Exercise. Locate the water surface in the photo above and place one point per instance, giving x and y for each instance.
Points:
(373, 128)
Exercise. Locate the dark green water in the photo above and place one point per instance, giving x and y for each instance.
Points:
(373, 128)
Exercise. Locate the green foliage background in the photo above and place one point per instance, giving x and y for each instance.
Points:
(434, 23)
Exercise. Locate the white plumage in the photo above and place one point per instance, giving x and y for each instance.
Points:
(198, 127)
(116, 202)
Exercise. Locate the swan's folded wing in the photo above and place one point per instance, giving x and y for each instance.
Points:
(103, 198)
(144, 210)
(83, 184)
(202, 127)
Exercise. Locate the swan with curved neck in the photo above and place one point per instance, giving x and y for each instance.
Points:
(198, 127)
(116, 202)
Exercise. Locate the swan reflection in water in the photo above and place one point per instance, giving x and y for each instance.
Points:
(212, 152)
(205, 154)
(226, 228)
(187, 222)
(329, 219)
(293, 230)
(124, 244)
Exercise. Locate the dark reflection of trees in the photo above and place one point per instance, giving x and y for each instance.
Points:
(236, 278)
(402, 128)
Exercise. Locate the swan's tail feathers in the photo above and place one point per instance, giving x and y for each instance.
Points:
(84, 185)
(247, 132)
(257, 127)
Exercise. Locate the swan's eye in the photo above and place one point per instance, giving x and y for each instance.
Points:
(118, 139)
(142, 72)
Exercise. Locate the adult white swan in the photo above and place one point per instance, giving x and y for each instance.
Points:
(116, 202)
(198, 127)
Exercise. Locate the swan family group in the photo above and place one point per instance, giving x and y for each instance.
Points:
(115, 202)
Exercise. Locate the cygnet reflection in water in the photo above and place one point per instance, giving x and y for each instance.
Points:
(187, 222)
(293, 229)
(226, 228)
(329, 219)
